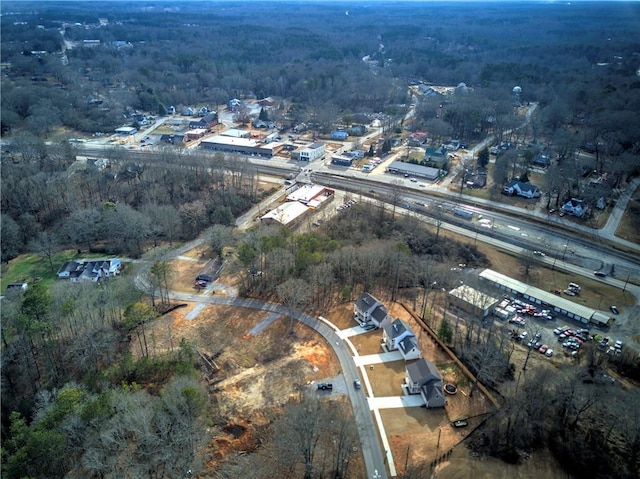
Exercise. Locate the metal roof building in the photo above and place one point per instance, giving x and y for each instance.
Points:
(418, 171)
(576, 311)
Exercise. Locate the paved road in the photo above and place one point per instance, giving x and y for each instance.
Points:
(371, 452)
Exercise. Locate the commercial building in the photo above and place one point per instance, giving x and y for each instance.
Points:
(312, 195)
(245, 146)
(471, 300)
(312, 152)
(418, 171)
(579, 312)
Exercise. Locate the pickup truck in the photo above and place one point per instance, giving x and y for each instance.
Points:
(325, 386)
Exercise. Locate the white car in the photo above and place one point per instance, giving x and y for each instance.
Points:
(548, 353)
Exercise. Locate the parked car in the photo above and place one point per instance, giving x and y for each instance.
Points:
(543, 349)
(548, 353)
(460, 423)
(614, 309)
(325, 386)
(200, 284)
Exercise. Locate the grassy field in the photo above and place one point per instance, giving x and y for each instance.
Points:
(629, 227)
(34, 268)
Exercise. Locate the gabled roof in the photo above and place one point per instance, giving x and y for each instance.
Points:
(379, 313)
(397, 328)
(423, 372)
(434, 394)
(407, 344)
(366, 301)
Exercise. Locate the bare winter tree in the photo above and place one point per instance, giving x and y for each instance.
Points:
(294, 293)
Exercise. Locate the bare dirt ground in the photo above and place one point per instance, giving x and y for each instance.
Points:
(462, 464)
(415, 434)
(253, 376)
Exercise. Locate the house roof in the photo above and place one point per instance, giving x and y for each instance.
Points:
(423, 372)
(407, 344)
(438, 152)
(398, 327)
(521, 186)
(366, 301)
(379, 313)
(434, 393)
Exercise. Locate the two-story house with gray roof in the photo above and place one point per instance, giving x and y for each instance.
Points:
(397, 335)
(368, 309)
(423, 378)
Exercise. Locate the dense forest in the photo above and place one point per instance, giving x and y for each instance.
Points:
(74, 399)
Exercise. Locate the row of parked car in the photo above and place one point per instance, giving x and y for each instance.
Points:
(536, 343)
(346, 205)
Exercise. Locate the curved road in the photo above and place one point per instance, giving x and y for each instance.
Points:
(371, 451)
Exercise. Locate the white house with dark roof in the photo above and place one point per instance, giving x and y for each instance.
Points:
(575, 207)
(90, 270)
(394, 332)
(368, 309)
(423, 378)
(409, 348)
(397, 335)
(517, 187)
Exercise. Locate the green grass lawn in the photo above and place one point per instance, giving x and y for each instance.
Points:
(30, 267)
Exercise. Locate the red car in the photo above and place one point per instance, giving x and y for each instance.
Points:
(543, 349)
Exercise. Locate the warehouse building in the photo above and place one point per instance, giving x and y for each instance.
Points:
(576, 311)
(471, 300)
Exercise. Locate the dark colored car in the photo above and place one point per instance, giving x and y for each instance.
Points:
(325, 386)
(599, 274)
(614, 310)
(460, 423)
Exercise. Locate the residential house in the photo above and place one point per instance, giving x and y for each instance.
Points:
(207, 122)
(517, 187)
(423, 378)
(575, 207)
(368, 309)
(428, 91)
(358, 130)
(268, 101)
(90, 270)
(397, 335)
(418, 138)
(541, 160)
(394, 332)
(234, 104)
(339, 135)
(409, 348)
(436, 156)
